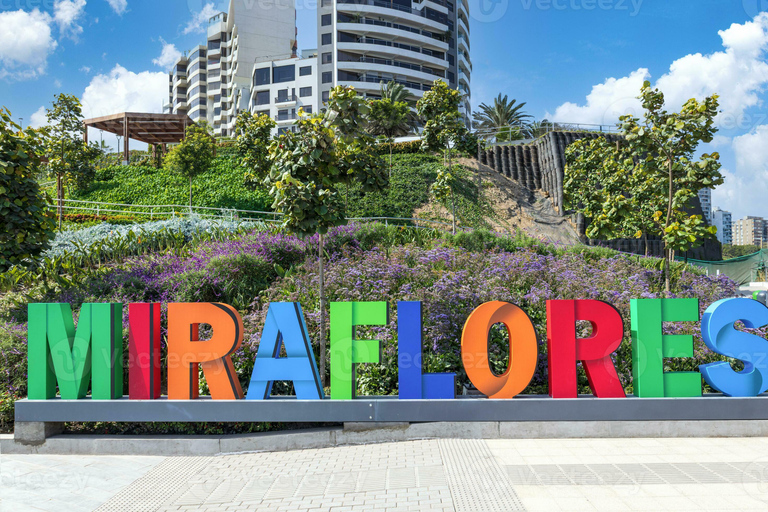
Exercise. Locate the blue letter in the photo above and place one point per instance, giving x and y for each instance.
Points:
(721, 336)
(412, 384)
(285, 326)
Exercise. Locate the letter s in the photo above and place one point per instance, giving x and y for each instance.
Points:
(720, 335)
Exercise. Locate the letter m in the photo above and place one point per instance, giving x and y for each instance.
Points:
(92, 354)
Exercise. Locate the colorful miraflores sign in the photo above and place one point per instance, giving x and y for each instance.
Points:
(90, 356)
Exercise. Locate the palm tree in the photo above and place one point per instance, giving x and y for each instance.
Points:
(503, 114)
(396, 92)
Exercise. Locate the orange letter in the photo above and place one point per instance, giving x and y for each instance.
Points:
(212, 354)
(523, 349)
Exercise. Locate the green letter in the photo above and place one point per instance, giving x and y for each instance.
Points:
(650, 347)
(346, 351)
(57, 352)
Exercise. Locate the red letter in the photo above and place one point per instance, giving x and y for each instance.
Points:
(563, 349)
(143, 351)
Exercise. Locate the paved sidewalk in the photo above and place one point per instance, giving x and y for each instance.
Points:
(450, 474)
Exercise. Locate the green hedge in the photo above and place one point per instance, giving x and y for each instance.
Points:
(220, 187)
(400, 148)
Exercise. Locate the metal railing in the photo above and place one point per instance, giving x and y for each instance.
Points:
(534, 130)
(228, 214)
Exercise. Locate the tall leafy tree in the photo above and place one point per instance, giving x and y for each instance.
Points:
(657, 174)
(70, 159)
(504, 117)
(397, 93)
(444, 129)
(309, 165)
(252, 136)
(192, 156)
(26, 228)
(389, 119)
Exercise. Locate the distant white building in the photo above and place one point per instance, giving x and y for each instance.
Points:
(281, 87)
(721, 219)
(213, 82)
(705, 198)
(750, 231)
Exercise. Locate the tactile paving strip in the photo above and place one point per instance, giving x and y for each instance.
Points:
(166, 481)
(636, 474)
(476, 479)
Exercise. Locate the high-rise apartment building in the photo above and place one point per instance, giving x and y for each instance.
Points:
(250, 59)
(750, 231)
(362, 43)
(705, 198)
(213, 82)
(721, 219)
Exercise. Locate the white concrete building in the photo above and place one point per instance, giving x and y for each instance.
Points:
(722, 220)
(213, 82)
(705, 198)
(362, 43)
(281, 87)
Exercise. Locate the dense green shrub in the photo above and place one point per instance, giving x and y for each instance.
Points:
(220, 187)
(399, 148)
(26, 229)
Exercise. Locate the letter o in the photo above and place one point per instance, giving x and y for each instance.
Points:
(523, 349)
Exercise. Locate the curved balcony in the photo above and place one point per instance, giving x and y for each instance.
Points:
(391, 11)
(464, 61)
(392, 51)
(463, 79)
(374, 87)
(464, 43)
(463, 25)
(464, 6)
(391, 68)
(436, 5)
(392, 33)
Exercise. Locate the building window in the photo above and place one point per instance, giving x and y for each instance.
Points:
(262, 113)
(284, 74)
(326, 38)
(305, 71)
(326, 95)
(307, 109)
(325, 20)
(262, 98)
(261, 76)
(327, 58)
(305, 91)
(327, 77)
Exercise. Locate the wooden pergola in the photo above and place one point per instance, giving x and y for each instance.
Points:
(160, 129)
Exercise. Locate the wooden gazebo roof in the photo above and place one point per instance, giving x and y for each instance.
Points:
(149, 128)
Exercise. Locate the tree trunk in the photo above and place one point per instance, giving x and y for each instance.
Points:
(645, 242)
(453, 195)
(322, 312)
(190, 196)
(668, 251)
(60, 199)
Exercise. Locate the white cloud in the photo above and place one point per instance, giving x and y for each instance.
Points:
(200, 20)
(57, 83)
(119, 6)
(607, 101)
(738, 74)
(86, 70)
(66, 13)
(746, 186)
(168, 57)
(25, 44)
(121, 90)
(39, 118)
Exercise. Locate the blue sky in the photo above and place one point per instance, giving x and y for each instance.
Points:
(579, 61)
